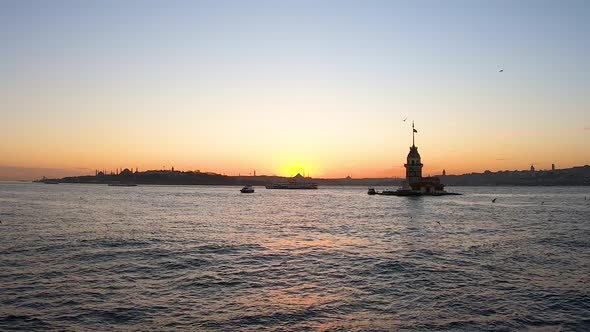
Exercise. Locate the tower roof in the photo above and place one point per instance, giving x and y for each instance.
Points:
(413, 152)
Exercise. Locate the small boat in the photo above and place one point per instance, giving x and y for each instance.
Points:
(371, 191)
(247, 189)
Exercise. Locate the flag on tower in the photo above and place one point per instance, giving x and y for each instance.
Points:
(414, 130)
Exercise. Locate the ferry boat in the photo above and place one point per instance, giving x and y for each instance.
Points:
(122, 185)
(295, 182)
(247, 189)
(292, 186)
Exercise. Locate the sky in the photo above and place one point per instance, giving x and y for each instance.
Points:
(280, 87)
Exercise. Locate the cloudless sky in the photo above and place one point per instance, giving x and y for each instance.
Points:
(286, 86)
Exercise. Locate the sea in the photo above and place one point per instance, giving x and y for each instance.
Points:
(77, 257)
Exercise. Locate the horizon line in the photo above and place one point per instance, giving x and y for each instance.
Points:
(112, 173)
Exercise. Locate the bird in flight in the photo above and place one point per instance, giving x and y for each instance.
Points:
(405, 119)
(501, 71)
(494, 200)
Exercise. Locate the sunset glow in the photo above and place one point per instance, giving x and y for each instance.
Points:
(200, 85)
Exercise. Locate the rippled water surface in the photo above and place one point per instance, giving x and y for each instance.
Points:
(91, 257)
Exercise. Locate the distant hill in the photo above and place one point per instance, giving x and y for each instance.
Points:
(563, 177)
(198, 178)
(576, 176)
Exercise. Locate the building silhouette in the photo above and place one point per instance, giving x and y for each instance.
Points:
(428, 185)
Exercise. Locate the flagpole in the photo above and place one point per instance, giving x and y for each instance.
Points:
(413, 143)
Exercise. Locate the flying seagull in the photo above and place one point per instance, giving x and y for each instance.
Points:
(494, 200)
(501, 71)
(438, 222)
(405, 119)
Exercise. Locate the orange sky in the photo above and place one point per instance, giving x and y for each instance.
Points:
(377, 154)
(237, 86)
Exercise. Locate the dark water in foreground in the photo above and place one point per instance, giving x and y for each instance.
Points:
(83, 257)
